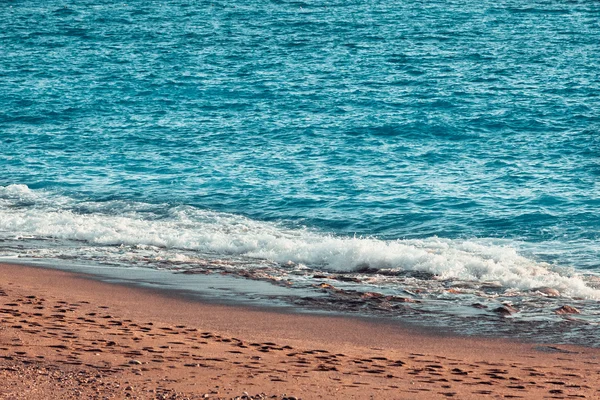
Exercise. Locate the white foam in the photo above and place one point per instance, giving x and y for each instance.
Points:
(16, 192)
(207, 232)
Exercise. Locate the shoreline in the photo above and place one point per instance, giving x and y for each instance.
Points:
(154, 344)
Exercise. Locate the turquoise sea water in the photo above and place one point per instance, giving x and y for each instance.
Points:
(442, 152)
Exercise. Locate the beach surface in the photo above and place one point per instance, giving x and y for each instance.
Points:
(64, 336)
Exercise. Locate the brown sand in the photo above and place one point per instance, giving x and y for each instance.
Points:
(68, 336)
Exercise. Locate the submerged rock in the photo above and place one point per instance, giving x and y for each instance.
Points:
(343, 278)
(325, 286)
(505, 309)
(371, 295)
(548, 291)
(329, 287)
(376, 298)
(566, 309)
(400, 299)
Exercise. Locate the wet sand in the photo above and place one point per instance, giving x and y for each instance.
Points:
(68, 336)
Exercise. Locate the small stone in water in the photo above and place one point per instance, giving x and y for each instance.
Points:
(506, 309)
(566, 309)
(548, 291)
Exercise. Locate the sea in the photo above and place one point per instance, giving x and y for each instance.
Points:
(431, 163)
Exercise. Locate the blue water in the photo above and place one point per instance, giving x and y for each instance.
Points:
(454, 138)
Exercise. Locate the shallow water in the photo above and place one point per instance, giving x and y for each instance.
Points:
(438, 154)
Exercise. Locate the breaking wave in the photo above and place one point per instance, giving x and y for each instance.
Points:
(27, 215)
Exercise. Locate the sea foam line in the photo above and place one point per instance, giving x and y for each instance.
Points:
(28, 213)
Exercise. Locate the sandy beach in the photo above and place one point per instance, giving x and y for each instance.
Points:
(68, 336)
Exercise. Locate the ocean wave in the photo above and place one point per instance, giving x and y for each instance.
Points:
(33, 214)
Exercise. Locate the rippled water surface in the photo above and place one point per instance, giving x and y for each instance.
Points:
(437, 158)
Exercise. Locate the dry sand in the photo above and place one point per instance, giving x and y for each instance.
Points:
(67, 336)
